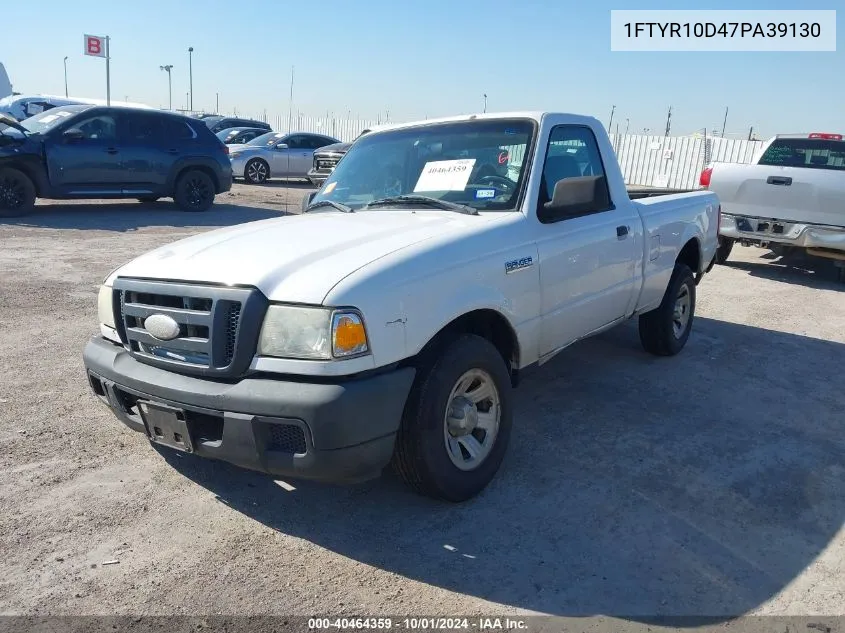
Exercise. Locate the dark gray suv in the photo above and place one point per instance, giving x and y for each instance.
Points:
(85, 151)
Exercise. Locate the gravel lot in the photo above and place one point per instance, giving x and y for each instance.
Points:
(709, 483)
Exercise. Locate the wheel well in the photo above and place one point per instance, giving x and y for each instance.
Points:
(487, 324)
(206, 170)
(30, 172)
(691, 255)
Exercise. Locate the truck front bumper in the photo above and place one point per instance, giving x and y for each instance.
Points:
(333, 432)
(809, 236)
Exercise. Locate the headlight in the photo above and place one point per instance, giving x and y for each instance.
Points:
(105, 306)
(312, 333)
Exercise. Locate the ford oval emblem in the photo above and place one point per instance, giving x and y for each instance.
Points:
(161, 327)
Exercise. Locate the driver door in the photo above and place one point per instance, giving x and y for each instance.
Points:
(88, 165)
(587, 262)
(280, 157)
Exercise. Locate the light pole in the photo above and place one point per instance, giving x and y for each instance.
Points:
(627, 123)
(485, 103)
(167, 69)
(65, 75)
(191, 77)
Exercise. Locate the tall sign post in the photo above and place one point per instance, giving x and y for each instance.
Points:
(98, 46)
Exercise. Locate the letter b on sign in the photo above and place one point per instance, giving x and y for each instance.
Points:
(95, 45)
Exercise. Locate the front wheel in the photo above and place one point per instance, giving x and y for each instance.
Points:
(664, 331)
(17, 193)
(457, 422)
(194, 191)
(257, 171)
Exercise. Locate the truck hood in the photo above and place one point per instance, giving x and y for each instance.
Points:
(336, 148)
(297, 258)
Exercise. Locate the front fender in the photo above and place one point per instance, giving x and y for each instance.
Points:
(427, 318)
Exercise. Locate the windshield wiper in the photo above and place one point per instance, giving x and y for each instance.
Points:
(422, 200)
(329, 203)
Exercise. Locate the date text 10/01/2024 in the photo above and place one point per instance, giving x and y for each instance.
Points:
(421, 624)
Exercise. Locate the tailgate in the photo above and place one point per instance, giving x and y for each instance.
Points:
(797, 179)
(812, 196)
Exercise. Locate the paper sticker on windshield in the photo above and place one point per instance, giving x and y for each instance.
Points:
(485, 193)
(445, 175)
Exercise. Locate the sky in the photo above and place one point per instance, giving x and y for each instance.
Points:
(410, 59)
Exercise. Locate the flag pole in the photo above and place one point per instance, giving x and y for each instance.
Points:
(108, 73)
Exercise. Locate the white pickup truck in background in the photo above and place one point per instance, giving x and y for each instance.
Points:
(792, 197)
(390, 321)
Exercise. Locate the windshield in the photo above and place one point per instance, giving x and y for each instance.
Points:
(475, 163)
(49, 119)
(271, 138)
(210, 121)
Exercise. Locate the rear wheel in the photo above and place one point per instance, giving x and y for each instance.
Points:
(257, 171)
(726, 245)
(194, 191)
(664, 331)
(457, 422)
(17, 193)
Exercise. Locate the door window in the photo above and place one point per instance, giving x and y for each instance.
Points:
(102, 127)
(572, 153)
(142, 128)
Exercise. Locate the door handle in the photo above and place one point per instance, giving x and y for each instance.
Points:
(779, 180)
(111, 150)
(622, 232)
(173, 151)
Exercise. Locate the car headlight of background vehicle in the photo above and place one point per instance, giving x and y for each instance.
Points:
(312, 333)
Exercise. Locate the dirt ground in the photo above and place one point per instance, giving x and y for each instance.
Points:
(706, 484)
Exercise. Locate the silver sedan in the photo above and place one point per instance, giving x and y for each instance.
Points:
(276, 155)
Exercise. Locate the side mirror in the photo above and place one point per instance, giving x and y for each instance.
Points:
(73, 134)
(282, 146)
(576, 196)
(306, 200)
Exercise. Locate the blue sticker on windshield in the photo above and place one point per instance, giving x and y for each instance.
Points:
(485, 193)
(510, 131)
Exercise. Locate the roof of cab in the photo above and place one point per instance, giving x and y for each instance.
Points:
(534, 115)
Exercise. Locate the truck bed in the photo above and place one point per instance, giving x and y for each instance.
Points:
(637, 193)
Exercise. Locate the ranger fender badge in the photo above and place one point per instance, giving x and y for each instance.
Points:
(518, 264)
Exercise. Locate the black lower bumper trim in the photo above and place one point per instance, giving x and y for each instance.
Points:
(329, 432)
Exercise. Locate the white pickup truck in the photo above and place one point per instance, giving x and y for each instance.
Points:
(792, 197)
(391, 320)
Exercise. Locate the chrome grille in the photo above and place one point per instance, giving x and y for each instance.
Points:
(209, 320)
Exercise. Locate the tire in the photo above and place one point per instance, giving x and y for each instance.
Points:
(660, 333)
(422, 457)
(17, 193)
(148, 199)
(257, 171)
(726, 245)
(194, 191)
